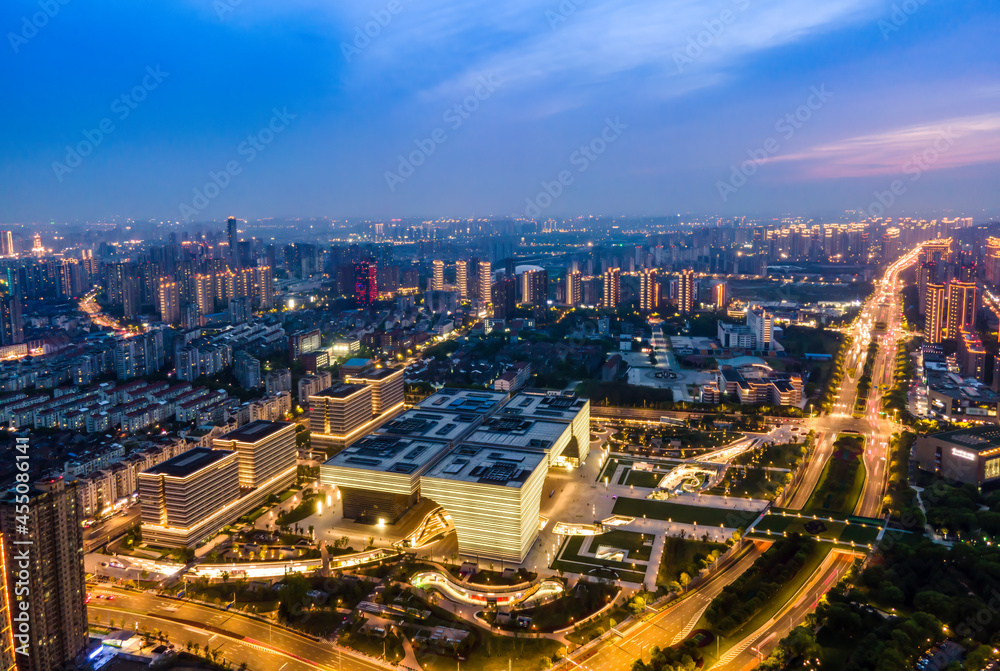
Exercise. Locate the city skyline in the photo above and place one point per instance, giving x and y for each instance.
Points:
(522, 110)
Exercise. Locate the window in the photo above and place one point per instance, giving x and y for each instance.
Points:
(991, 469)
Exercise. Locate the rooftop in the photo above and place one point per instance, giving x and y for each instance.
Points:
(429, 424)
(498, 466)
(980, 438)
(518, 431)
(357, 363)
(477, 401)
(389, 454)
(341, 390)
(188, 463)
(255, 431)
(378, 373)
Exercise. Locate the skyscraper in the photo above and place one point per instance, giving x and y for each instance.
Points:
(204, 294)
(649, 290)
(963, 303)
(365, 283)
(935, 313)
(437, 281)
(535, 287)
(485, 282)
(48, 515)
(7, 243)
(685, 292)
(504, 298)
(612, 288)
(720, 295)
(574, 288)
(462, 278)
(232, 234)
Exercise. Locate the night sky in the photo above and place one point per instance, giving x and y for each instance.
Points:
(199, 109)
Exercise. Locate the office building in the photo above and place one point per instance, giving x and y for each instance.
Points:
(379, 476)
(963, 303)
(935, 314)
(437, 279)
(493, 495)
(685, 292)
(559, 408)
(11, 321)
(969, 456)
(52, 520)
(612, 288)
(462, 279)
(504, 298)
(574, 288)
(232, 235)
(761, 325)
(649, 290)
(189, 497)
(340, 413)
(265, 450)
(365, 283)
(386, 385)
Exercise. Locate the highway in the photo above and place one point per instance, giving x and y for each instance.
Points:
(239, 638)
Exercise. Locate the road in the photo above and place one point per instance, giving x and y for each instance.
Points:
(670, 626)
(241, 638)
(110, 529)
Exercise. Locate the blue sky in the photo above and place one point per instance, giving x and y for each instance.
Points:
(692, 87)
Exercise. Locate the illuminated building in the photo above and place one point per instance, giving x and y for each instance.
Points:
(761, 325)
(720, 295)
(170, 301)
(935, 316)
(574, 288)
(685, 292)
(485, 282)
(612, 288)
(51, 517)
(437, 281)
(968, 456)
(462, 279)
(649, 290)
(264, 450)
(11, 321)
(365, 283)
(386, 385)
(963, 303)
(340, 413)
(504, 298)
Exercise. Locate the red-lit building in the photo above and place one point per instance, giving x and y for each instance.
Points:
(365, 283)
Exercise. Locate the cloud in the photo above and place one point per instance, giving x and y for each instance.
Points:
(951, 143)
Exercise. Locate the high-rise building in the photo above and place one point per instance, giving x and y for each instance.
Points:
(720, 295)
(761, 325)
(890, 245)
(11, 321)
(535, 287)
(246, 369)
(685, 292)
(365, 283)
(991, 261)
(170, 301)
(963, 304)
(972, 355)
(612, 288)
(437, 281)
(574, 288)
(7, 243)
(48, 520)
(935, 316)
(504, 298)
(233, 237)
(485, 282)
(387, 387)
(462, 278)
(649, 290)
(239, 311)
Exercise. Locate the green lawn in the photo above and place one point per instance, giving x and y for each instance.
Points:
(573, 561)
(683, 513)
(684, 555)
(647, 479)
(626, 540)
(757, 484)
(610, 466)
(843, 479)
